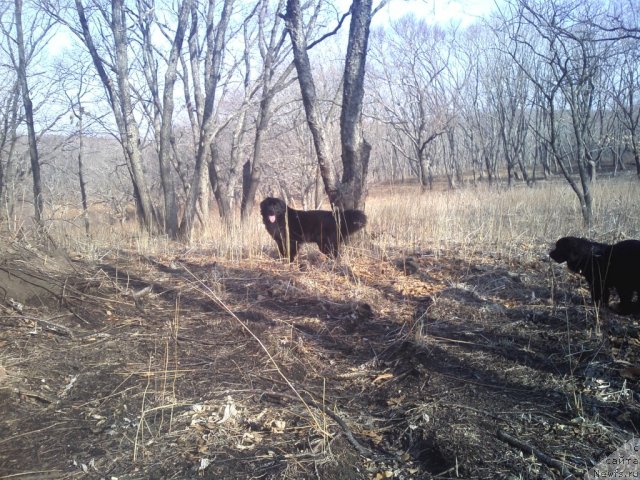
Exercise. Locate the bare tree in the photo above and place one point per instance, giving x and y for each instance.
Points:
(272, 50)
(625, 90)
(355, 149)
(510, 93)
(21, 68)
(10, 119)
(216, 37)
(477, 119)
(349, 193)
(118, 94)
(163, 107)
(565, 73)
(415, 92)
(75, 85)
(295, 28)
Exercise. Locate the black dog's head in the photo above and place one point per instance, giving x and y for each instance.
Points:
(271, 209)
(577, 252)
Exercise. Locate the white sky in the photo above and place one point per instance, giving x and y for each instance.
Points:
(464, 12)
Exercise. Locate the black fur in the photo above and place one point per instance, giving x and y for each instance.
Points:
(604, 267)
(317, 226)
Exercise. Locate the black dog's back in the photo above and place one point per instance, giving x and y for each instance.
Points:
(603, 266)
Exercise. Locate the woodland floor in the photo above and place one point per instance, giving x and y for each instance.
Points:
(435, 365)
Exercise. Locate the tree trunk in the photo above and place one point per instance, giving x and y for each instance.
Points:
(38, 201)
(216, 40)
(220, 189)
(9, 136)
(355, 149)
(83, 184)
(132, 136)
(166, 129)
(270, 54)
(636, 154)
(120, 101)
(255, 169)
(10, 167)
(294, 25)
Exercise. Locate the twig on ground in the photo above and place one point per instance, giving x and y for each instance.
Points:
(35, 395)
(539, 454)
(47, 324)
(52, 327)
(361, 449)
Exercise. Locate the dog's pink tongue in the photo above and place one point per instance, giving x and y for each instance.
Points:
(272, 218)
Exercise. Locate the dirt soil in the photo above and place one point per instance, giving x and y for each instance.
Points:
(434, 365)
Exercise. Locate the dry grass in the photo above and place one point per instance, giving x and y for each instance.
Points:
(501, 219)
(442, 323)
(402, 219)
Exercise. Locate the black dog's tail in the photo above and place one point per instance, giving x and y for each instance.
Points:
(351, 221)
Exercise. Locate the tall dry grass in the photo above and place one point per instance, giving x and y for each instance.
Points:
(402, 219)
(500, 219)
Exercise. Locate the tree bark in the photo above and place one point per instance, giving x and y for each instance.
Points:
(216, 40)
(349, 193)
(355, 149)
(10, 138)
(166, 128)
(131, 140)
(38, 201)
(294, 25)
(270, 55)
(83, 184)
(120, 101)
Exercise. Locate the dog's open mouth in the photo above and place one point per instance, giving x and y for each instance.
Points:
(272, 218)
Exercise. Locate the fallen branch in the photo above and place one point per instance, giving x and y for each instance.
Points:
(539, 454)
(35, 395)
(52, 327)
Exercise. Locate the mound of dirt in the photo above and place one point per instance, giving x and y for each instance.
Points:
(31, 277)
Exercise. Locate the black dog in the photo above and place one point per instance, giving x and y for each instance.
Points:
(604, 266)
(290, 227)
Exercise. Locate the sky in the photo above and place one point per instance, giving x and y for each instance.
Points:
(464, 12)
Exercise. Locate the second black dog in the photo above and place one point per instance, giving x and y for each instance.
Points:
(604, 267)
(290, 227)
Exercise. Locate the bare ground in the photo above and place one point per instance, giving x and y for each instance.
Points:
(435, 365)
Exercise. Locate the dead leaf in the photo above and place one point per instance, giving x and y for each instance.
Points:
(384, 376)
(395, 401)
(373, 435)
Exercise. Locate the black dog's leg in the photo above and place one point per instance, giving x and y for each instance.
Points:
(605, 295)
(596, 291)
(328, 246)
(293, 250)
(599, 290)
(280, 246)
(626, 297)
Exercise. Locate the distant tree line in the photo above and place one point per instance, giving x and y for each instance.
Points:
(183, 105)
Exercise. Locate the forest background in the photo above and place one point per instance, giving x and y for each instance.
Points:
(183, 114)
